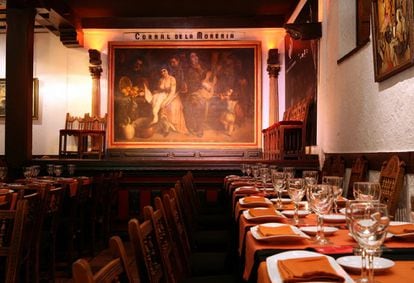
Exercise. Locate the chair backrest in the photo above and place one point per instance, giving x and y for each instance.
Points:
(392, 181)
(117, 270)
(170, 253)
(95, 122)
(11, 240)
(359, 173)
(299, 111)
(178, 230)
(73, 122)
(334, 166)
(147, 254)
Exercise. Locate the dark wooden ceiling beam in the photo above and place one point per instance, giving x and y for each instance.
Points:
(263, 21)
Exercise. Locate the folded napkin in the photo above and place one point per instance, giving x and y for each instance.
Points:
(262, 212)
(308, 269)
(274, 231)
(401, 229)
(254, 199)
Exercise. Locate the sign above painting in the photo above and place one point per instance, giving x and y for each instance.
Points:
(189, 35)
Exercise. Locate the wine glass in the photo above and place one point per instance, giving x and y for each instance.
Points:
(243, 169)
(57, 170)
(278, 182)
(367, 191)
(71, 169)
(289, 172)
(27, 172)
(3, 173)
(296, 190)
(264, 174)
(320, 199)
(369, 223)
(255, 172)
(248, 170)
(36, 170)
(336, 183)
(50, 169)
(310, 176)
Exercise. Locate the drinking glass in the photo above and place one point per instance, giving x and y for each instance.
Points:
(296, 190)
(264, 174)
(243, 169)
(320, 199)
(71, 169)
(255, 172)
(248, 170)
(50, 169)
(27, 172)
(336, 183)
(358, 251)
(36, 170)
(289, 172)
(3, 173)
(369, 223)
(367, 191)
(57, 170)
(278, 182)
(310, 176)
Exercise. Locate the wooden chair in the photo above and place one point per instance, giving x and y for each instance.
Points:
(286, 139)
(93, 136)
(334, 166)
(11, 241)
(359, 173)
(392, 181)
(117, 270)
(146, 251)
(73, 128)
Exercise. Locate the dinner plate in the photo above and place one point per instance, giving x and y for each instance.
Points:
(259, 201)
(405, 236)
(290, 213)
(334, 218)
(277, 217)
(246, 188)
(256, 234)
(353, 263)
(274, 274)
(311, 230)
(284, 200)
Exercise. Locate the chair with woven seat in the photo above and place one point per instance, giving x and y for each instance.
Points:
(392, 181)
(359, 172)
(116, 270)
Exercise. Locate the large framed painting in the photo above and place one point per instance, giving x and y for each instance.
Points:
(393, 36)
(204, 94)
(35, 99)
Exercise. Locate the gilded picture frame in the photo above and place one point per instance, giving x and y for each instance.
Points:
(201, 94)
(35, 109)
(393, 37)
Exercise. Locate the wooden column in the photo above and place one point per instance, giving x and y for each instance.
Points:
(19, 85)
(95, 69)
(273, 69)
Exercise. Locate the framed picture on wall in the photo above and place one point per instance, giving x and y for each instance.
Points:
(204, 94)
(35, 109)
(393, 37)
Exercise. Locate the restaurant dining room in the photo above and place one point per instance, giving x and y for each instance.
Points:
(266, 141)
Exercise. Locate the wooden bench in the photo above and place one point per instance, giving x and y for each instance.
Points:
(286, 139)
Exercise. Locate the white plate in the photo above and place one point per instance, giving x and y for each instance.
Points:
(284, 200)
(255, 203)
(311, 230)
(406, 236)
(290, 213)
(342, 211)
(334, 218)
(277, 217)
(353, 263)
(256, 234)
(273, 271)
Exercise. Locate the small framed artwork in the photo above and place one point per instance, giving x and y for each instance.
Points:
(204, 95)
(393, 37)
(35, 109)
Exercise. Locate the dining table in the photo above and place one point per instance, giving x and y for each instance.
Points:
(254, 250)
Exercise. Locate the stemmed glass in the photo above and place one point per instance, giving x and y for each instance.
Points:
(243, 169)
(367, 191)
(57, 170)
(296, 190)
(71, 169)
(36, 170)
(369, 223)
(248, 170)
(278, 182)
(310, 176)
(27, 172)
(289, 172)
(320, 199)
(264, 174)
(255, 171)
(336, 183)
(50, 169)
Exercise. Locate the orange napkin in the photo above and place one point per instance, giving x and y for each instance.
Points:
(401, 229)
(307, 269)
(262, 212)
(272, 231)
(254, 199)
